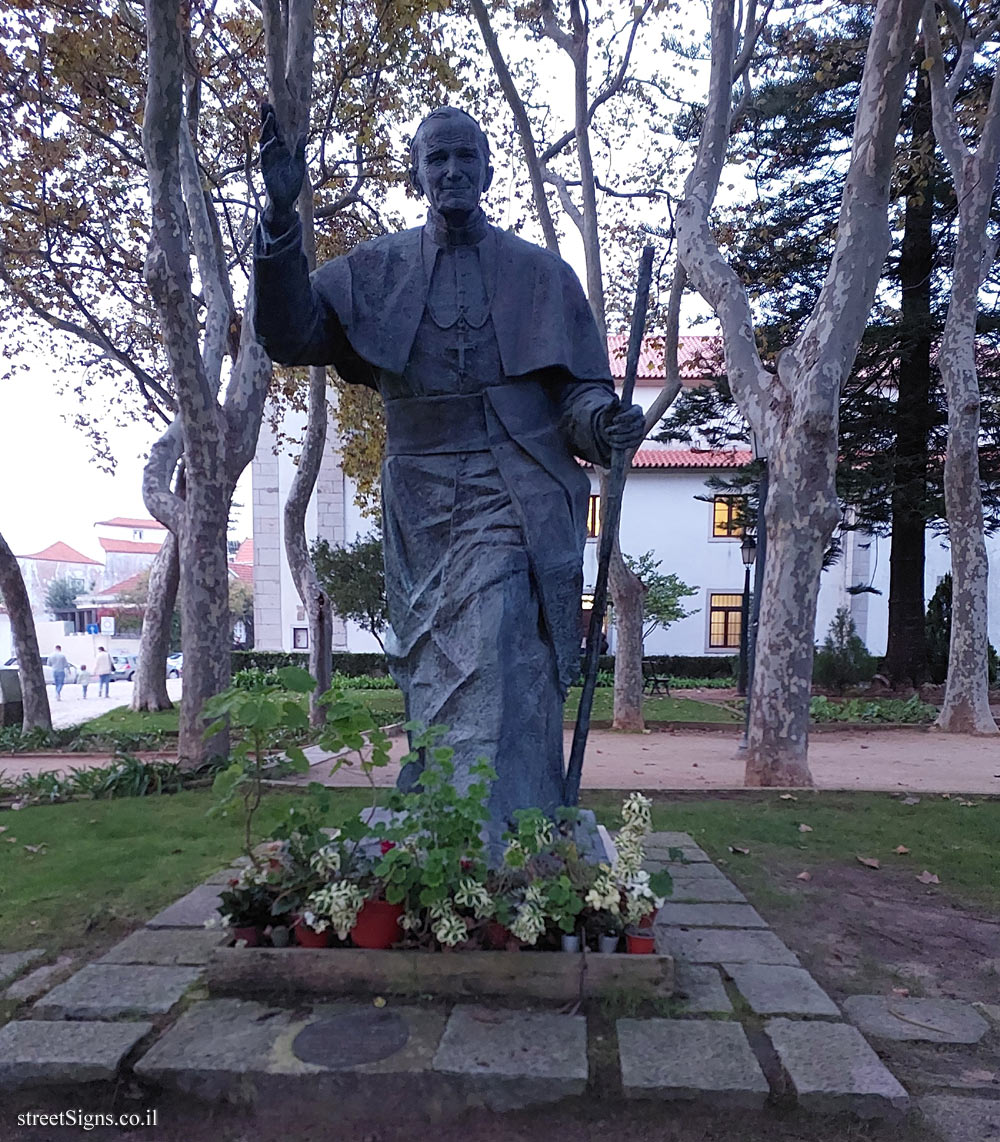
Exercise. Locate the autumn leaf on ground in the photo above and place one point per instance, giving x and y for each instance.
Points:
(805, 828)
(869, 862)
(11, 840)
(788, 797)
(804, 876)
(945, 796)
(739, 849)
(3, 828)
(968, 804)
(910, 801)
(34, 848)
(902, 992)
(928, 878)
(901, 850)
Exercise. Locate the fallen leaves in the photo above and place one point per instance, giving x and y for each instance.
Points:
(788, 797)
(901, 850)
(35, 848)
(911, 800)
(869, 862)
(968, 804)
(928, 878)
(804, 876)
(902, 992)
(805, 828)
(739, 849)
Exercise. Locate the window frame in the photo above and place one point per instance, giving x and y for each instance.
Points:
(737, 610)
(733, 531)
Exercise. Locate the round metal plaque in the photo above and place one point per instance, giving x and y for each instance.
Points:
(346, 1041)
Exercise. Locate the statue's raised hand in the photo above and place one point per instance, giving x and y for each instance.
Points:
(283, 170)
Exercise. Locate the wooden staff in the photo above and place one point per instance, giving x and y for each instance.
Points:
(609, 530)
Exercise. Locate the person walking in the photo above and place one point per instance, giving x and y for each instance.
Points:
(103, 668)
(84, 679)
(58, 663)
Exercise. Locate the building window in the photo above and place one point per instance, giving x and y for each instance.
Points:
(725, 617)
(136, 534)
(300, 638)
(594, 517)
(728, 517)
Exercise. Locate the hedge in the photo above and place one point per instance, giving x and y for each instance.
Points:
(351, 664)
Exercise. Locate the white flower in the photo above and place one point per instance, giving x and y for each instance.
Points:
(605, 896)
(326, 860)
(529, 923)
(449, 929)
(471, 894)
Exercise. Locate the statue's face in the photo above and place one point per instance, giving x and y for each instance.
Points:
(451, 170)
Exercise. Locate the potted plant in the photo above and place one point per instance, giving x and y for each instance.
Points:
(640, 941)
(245, 906)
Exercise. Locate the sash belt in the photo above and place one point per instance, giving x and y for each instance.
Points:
(423, 426)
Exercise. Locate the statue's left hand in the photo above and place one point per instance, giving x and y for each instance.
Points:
(623, 428)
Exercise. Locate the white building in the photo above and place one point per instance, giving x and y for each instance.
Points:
(667, 509)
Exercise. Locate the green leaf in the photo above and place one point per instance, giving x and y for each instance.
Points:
(297, 759)
(296, 679)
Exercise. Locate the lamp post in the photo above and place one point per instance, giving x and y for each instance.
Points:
(748, 550)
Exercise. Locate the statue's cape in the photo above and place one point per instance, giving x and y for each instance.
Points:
(540, 315)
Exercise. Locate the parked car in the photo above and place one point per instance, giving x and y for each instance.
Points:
(175, 665)
(125, 667)
(72, 673)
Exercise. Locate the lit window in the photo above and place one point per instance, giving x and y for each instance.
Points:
(300, 638)
(594, 517)
(725, 617)
(728, 517)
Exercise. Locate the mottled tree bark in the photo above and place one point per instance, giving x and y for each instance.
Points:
(906, 649)
(795, 413)
(34, 696)
(149, 690)
(966, 706)
(218, 441)
(628, 593)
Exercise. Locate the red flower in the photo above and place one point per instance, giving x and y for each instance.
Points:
(466, 864)
(385, 846)
(233, 883)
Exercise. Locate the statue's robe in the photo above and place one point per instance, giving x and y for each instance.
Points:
(494, 376)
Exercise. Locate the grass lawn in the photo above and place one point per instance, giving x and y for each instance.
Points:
(109, 865)
(388, 705)
(956, 842)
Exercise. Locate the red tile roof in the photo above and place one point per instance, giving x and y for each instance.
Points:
(698, 358)
(128, 547)
(242, 571)
(60, 552)
(691, 458)
(126, 521)
(128, 584)
(245, 553)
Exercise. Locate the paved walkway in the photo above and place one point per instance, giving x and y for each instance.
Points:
(892, 760)
(74, 708)
(919, 761)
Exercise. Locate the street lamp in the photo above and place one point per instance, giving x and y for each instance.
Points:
(748, 551)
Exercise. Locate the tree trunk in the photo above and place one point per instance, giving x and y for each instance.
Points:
(906, 650)
(966, 707)
(204, 587)
(800, 515)
(150, 689)
(628, 594)
(34, 697)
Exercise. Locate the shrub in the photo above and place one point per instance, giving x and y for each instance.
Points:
(843, 660)
(937, 631)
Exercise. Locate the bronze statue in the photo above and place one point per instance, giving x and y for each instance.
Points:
(494, 380)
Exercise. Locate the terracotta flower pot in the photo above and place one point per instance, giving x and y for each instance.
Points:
(640, 943)
(377, 925)
(250, 933)
(307, 937)
(647, 920)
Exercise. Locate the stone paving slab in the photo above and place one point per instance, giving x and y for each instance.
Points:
(115, 991)
(686, 849)
(515, 1058)
(222, 877)
(709, 1061)
(190, 911)
(705, 890)
(700, 990)
(722, 946)
(684, 915)
(833, 1070)
(926, 1020)
(13, 963)
(37, 1053)
(698, 871)
(39, 981)
(774, 989)
(167, 947)
(963, 1119)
